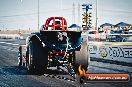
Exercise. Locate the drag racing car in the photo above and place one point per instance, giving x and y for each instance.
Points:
(54, 46)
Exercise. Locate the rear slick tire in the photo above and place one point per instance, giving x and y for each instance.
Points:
(38, 58)
(82, 57)
(20, 56)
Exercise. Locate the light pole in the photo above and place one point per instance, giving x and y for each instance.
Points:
(3, 27)
(38, 14)
(96, 16)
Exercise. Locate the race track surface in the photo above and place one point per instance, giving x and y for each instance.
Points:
(11, 75)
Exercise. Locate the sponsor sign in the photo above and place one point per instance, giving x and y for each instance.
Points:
(111, 52)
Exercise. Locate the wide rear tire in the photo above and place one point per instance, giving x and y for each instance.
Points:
(37, 58)
(82, 57)
(20, 56)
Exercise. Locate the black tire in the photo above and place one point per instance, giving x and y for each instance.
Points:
(37, 58)
(82, 57)
(20, 56)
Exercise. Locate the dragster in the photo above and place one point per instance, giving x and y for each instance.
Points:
(53, 46)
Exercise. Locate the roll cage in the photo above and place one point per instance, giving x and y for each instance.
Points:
(55, 23)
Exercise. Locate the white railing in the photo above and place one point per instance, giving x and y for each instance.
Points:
(10, 36)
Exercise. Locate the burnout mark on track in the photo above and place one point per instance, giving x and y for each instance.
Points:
(59, 77)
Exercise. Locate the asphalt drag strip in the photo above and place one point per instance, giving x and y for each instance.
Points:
(11, 75)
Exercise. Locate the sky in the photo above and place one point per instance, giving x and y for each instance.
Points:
(23, 14)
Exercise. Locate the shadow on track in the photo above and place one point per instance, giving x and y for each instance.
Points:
(17, 70)
(12, 70)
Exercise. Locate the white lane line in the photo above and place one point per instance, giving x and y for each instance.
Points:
(15, 44)
(9, 49)
(2, 42)
(10, 43)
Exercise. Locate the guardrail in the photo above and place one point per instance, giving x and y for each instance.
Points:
(110, 37)
(10, 36)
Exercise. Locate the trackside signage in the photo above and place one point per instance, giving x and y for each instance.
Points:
(111, 52)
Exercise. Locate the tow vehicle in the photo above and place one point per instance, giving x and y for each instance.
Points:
(54, 46)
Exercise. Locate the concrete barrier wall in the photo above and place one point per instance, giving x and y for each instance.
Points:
(111, 51)
(10, 36)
